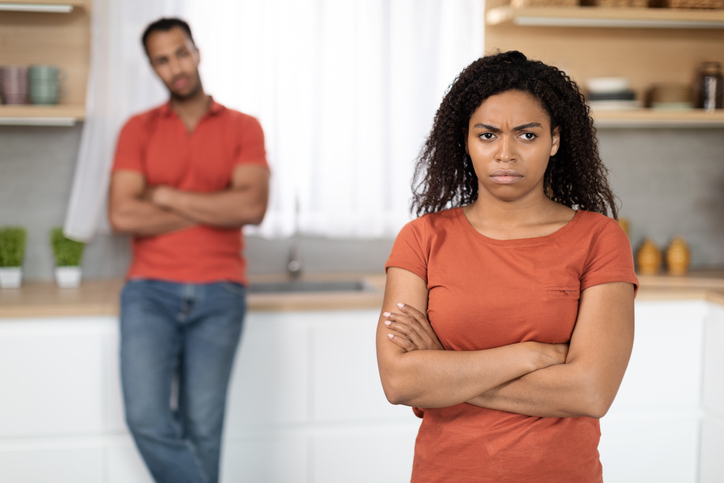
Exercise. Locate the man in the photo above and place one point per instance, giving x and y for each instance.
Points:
(186, 177)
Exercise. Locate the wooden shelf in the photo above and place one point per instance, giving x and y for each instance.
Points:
(47, 6)
(668, 48)
(606, 17)
(61, 115)
(649, 118)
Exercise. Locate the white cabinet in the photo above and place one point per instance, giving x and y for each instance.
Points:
(660, 429)
(306, 404)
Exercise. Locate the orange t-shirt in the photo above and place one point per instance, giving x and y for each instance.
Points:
(486, 293)
(157, 144)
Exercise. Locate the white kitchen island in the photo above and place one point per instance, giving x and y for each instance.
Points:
(306, 404)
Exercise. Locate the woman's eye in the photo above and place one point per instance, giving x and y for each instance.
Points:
(486, 136)
(528, 136)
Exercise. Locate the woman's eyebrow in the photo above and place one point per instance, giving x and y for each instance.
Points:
(480, 125)
(527, 126)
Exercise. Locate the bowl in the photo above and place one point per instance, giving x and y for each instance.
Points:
(604, 85)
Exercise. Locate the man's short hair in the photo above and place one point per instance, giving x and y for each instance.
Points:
(164, 25)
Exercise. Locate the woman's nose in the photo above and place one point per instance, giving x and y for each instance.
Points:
(506, 150)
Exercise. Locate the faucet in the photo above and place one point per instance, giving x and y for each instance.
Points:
(294, 261)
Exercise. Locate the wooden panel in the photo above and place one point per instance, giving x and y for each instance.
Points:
(646, 56)
(50, 38)
(75, 3)
(74, 111)
(650, 17)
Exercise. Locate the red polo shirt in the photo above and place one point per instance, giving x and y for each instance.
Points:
(157, 144)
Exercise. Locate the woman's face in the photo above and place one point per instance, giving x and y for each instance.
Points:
(509, 141)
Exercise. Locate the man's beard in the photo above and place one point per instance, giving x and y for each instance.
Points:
(193, 92)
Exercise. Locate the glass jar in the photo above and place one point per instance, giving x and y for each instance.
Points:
(709, 86)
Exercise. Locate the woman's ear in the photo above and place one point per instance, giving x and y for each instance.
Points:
(556, 140)
(465, 139)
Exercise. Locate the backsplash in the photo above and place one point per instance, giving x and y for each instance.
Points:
(669, 181)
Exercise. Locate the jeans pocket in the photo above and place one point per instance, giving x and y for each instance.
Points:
(233, 287)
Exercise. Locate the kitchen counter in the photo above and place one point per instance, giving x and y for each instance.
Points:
(100, 297)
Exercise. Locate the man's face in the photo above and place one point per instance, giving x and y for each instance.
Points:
(176, 61)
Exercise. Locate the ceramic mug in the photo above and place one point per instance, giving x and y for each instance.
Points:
(45, 73)
(14, 84)
(46, 84)
(46, 92)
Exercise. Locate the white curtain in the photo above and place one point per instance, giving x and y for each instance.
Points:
(346, 91)
(120, 84)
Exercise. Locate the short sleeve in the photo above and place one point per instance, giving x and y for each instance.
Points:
(251, 143)
(408, 251)
(610, 258)
(129, 150)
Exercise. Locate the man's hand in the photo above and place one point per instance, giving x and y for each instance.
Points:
(159, 195)
(411, 330)
(130, 209)
(242, 203)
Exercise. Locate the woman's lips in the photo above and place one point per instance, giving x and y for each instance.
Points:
(506, 176)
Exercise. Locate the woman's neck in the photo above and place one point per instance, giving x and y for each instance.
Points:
(526, 218)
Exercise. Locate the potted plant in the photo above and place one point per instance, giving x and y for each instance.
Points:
(67, 254)
(12, 251)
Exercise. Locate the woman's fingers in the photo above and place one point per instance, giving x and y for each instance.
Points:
(402, 341)
(405, 326)
(412, 328)
(429, 333)
(418, 316)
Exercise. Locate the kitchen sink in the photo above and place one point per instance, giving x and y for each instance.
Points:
(310, 286)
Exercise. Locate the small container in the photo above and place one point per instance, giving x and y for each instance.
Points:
(710, 86)
(648, 258)
(678, 256)
(624, 223)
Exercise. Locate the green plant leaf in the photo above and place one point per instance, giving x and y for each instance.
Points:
(12, 246)
(67, 252)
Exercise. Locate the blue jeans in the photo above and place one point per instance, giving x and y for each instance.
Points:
(177, 349)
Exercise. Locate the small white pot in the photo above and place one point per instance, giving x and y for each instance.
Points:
(11, 277)
(68, 277)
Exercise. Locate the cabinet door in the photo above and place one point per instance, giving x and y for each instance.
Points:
(378, 453)
(51, 374)
(44, 464)
(667, 354)
(657, 451)
(271, 458)
(346, 379)
(269, 385)
(712, 425)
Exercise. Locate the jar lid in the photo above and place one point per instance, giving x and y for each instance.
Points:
(710, 68)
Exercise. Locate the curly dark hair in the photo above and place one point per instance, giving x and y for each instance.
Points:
(444, 175)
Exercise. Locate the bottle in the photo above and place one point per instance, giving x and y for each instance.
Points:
(648, 258)
(678, 256)
(709, 86)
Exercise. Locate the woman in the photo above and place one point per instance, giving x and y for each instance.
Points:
(508, 316)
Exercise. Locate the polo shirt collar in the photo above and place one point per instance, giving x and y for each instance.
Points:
(214, 108)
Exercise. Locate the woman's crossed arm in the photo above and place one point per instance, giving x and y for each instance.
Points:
(584, 385)
(440, 378)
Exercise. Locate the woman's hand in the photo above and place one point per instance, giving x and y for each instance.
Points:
(411, 330)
